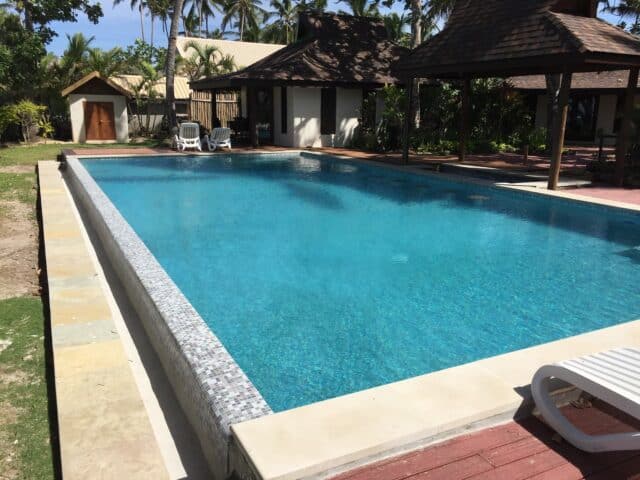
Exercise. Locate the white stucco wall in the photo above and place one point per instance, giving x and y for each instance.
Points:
(304, 110)
(76, 110)
(349, 103)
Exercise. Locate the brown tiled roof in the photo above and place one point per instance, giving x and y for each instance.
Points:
(611, 80)
(331, 49)
(503, 37)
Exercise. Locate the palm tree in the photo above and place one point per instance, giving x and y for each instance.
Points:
(73, 58)
(244, 12)
(160, 9)
(171, 62)
(140, 5)
(190, 23)
(626, 9)
(316, 5)
(283, 28)
(206, 61)
(362, 8)
(396, 25)
(106, 62)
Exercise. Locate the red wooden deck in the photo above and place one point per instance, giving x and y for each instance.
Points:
(515, 451)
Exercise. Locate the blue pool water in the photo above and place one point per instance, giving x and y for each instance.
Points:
(325, 277)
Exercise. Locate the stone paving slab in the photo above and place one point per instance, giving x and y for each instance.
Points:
(103, 426)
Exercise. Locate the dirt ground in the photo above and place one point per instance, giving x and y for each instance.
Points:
(18, 250)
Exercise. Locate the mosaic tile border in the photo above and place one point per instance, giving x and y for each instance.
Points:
(212, 389)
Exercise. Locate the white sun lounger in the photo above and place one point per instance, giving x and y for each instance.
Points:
(612, 376)
(188, 136)
(219, 137)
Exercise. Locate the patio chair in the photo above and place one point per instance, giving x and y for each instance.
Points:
(188, 136)
(219, 137)
(612, 376)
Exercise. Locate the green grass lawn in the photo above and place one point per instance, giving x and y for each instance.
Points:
(25, 447)
(31, 154)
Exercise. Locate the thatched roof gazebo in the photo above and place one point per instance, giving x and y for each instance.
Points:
(502, 38)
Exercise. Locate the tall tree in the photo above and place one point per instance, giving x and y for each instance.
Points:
(363, 8)
(106, 62)
(396, 25)
(139, 5)
(206, 61)
(282, 30)
(626, 9)
(245, 13)
(73, 60)
(315, 5)
(170, 67)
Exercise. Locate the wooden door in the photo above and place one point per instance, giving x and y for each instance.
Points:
(99, 120)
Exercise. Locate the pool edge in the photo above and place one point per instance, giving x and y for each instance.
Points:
(212, 389)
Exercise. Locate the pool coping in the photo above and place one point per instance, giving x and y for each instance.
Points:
(341, 433)
(212, 389)
(104, 428)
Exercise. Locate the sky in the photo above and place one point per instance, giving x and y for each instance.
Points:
(120, 26)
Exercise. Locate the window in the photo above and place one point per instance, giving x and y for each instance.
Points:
(283, 109)
(328, 111)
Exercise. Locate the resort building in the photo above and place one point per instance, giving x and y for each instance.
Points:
(109, 109)
(310, 93)
(595, 103)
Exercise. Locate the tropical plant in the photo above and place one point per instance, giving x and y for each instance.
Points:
(629, 9)
(139, 5)
(315, 5)
(396, 28)
(27, 115)
(160, 9)
(206, 61)
(362, 8)
(282, 30)
(171, 63)
(105, 62)
(73, 61)
(242, 14)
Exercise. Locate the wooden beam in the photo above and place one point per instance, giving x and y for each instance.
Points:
(559, 127)
(622, 143)
(252, 111)
(406, 126)
(464, 119)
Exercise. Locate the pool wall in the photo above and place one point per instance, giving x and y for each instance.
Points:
(210, 386)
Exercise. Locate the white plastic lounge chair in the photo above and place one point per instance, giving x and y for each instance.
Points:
(612, 376)
(188, 136)
(219, 137)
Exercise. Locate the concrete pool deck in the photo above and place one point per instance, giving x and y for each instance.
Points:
(116, 419)
(335, 435)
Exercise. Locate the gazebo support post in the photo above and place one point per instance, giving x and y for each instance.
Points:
(252, 112)
(214, 107)
(559, 127)
(464, 119)
(406, 125)
(622, 143)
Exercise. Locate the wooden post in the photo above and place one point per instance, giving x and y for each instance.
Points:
(557, 135)
(214, 107)
(622, 143)
(464, 118)
(252, 112)
(406, 126)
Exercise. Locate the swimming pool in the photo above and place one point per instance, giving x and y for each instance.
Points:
(323, 277)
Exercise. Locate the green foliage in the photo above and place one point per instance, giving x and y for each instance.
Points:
(362, 8)
(242, 15)
(140, 52)
(20, 54)
(22, 323)
(206, 61)
(28, 116)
